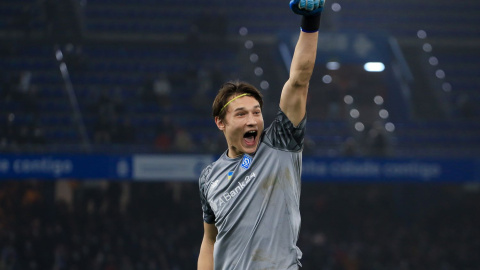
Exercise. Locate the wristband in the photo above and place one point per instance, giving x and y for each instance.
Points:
(311, 24)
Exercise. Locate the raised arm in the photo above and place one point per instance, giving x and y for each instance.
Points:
(294, 93)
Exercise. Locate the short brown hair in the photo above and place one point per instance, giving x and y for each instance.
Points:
(233, 88)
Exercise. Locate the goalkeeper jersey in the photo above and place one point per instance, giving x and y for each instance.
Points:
(253, 200)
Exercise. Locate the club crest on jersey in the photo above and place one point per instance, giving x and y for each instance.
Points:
(229, 175)
(246, 162)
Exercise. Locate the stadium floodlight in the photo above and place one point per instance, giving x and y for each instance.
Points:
(383, 114)
(348, 99)
(378, 100)
(374, 67)
(390, 127)
(333, 65)
(264, 85)
(354, 113)
(327, 79)
(447, 87)
(359, 126)
(421, 34)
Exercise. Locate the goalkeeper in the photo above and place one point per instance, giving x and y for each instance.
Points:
(250, 196)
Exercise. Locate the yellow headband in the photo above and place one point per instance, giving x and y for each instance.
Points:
(239, 96)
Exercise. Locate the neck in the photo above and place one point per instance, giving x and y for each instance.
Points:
(233, 154)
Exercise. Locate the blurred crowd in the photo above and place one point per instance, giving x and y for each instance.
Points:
(90, 229)
(112, 117)
(19, 120)
(390, 226)
(112, 225)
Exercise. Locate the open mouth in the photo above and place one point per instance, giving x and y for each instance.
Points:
(249, 137)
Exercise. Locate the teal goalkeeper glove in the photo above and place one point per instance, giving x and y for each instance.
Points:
(307, 7)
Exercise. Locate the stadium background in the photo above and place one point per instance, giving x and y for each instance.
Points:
(105, 122)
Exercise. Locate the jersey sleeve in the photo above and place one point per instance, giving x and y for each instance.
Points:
(208, 215)
(283, 135)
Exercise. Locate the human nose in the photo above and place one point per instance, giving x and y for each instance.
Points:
(251, 119)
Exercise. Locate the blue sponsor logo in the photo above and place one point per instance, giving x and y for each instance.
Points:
(246, 162)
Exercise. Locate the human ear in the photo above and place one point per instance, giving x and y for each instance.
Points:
(219, 123)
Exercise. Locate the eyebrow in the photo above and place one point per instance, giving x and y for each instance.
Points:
(243, 108)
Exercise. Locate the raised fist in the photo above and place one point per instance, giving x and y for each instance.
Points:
(307, 7)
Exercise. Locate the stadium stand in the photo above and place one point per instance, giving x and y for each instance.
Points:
(154, 45)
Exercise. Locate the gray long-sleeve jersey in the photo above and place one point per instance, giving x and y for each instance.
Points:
(254, 201)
